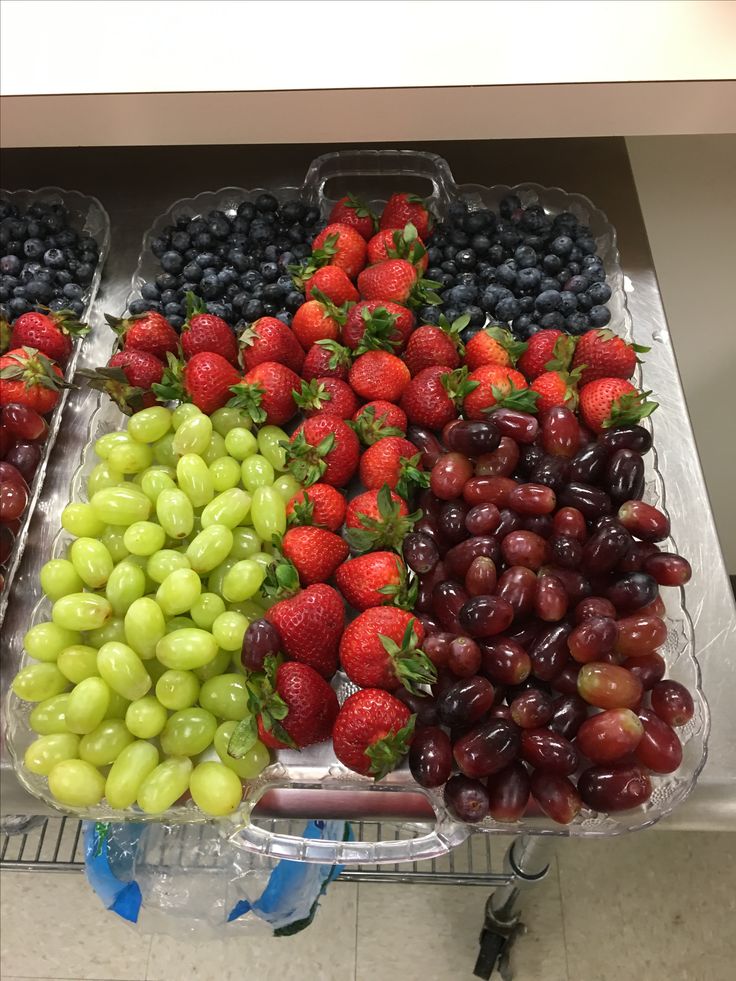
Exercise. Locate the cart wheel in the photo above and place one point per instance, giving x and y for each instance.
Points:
(492, 947)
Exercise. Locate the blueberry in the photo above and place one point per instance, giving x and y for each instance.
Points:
(446, 280)
(192, 272)
(459, 238)
(210, 288)
(311, 217)
(76, 307)
(466, 259)
(58, 304)
(159, 246)
(250, 279)
(599, 316)
(505, 274)
(577, 284)
(548, 283)
(548, 301)
(273, 293)
(524, 333)
(176, 321)
(205, 260)
(526, 303)
(568, 303)
(227, 275)
(496, 254)
(585, 244)
(252, 310)
(10, 265)
(449, 267)
(45, 275)
(452, 313)
(302, 251)
(533, 218)
(528, 279)
(149, 291)
(18, 305)
(477, 316)
(475, 221)
(172, 310)
(591, 260)
(525, 257)
(54, 259)
(39, 292)
(62, 277)
(247, 210)
(576, 323)
(489, 299)
(266, 203)
(521, 322)
(509, 238)
(429, 315)
(536, 242)
(210, 271)
(561, 246)
(485, 272)
(552, 320)
(218, 227)
(585, 302)
(596, 274)
(203, 241)
(599, 293)
(168, 296)
(33, 248)
(85, 272)
(293, 210)
(509, 205)
(481, 245)
(293, 301)
(172, 262)
(269, 272)
(508, 308)
(574, 268)
(136, 307)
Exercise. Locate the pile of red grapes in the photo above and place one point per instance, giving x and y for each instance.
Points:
(539, 575)
(22, 435)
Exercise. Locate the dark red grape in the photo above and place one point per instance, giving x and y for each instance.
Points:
(570, 523)
(448, 598)
(566, 681)
(520, 426)
(556, 796)
(430, 505)
(547, 750)
(605, 548)
(564, 551)
(673, 703)
(505, 662)
(437, 648)
(420, 552)
(466, 702)
(532, 708)
(550, 599)
(480, 579)
(626, 437)
(485, 616)
(22, 422)
(483, 519)
(549, 652)
(594, 606)
(25, 457)
(649, 669)
(430, 757)
(524, 633)
(617, 787)
(465, 799)
(421, 705)
(488, 748)
(638, 553)
(668, 568)
(510, 521)
(593, 639)
(464, 657)
(7, 541)
(451, 521)
(591, 501)
(659, 750)
(625, 476)
(577, 586)
(473, 438)
(589, 464)
(508, 793)
(609, 686)
(427, 444)
(569, 713)
(260, 640)
(525, 548)
(610, 735)
(449, 475)
(551, 471)
(632, 591)
(529, 457)
(501, 463)
(459, 558)
(540, 524)
(644, 521)
(427, 582)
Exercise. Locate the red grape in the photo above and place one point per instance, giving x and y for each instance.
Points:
(482, 519)
(508, 792)
(576, 585)
(632, 591)
(472, 438)
(668, 568)
(487, 749)
(551, 471)
(466, 800)
(638, 635)
(421, 705)
(550, 599)
(11, 475)
(13, 500)
(420, 552)
(437, 648)
(430, 757)
(501, 463)
(485, 616)
(25, 457)
(465, 702)
(548, 750)
(427, 582)
(459, 558)
(614, 787)
(589, 464)
(7, 540)
(448, 598)
(22, 422)
(605, 548)
(644, 521)
(549, 651)
(659, 750)
(610, 735)
(625, 476)
(464, 657)
(626, 437)
(260, 640)
(594, 606)
(520, 426)
(565, 551)
(570, 712)
(570, 523)
(451, 521)
(494, 490)
(656, 608)
(560, 432)
(510, 521)
(649, 668)
(525, 548)
(427, 444)
(532, 499)
(556, 796)
(609, 686)
(592, 639)
(566, 681)
(449, 475)
(592, 501)
(673, 703)
(480, 579)
(505, 662)
(518, 586)
(532, 708)
(540, 524)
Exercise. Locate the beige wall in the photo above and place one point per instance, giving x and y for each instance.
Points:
(687, 190)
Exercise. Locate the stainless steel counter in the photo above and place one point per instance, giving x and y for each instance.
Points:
(137, 184)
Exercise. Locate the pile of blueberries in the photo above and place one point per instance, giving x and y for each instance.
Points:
(44, 261)
(237, 263)
(520, 267)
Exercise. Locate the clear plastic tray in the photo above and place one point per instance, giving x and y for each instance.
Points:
(375, 174)
(87, 215)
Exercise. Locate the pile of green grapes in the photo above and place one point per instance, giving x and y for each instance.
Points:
(137, 675)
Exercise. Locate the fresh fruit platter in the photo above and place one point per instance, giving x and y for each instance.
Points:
(368, 538)
(53, 245)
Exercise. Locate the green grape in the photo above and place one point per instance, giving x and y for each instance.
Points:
(162, 564)
(37, 682)
(145, 717)
(81, 520)
(287, 486)
(92, 562)
(76, 783)
(113, 630)
(163, 450)
(175, 513)
(206, 609)
(49, 716)
(228, 417)
(104, 744)
(245, 543)
(194, 479)
(218, 665)
(263, 559)
(47, 640)
(150, 424)
(247, 766)
(250, 609)
(209, 548)
(228, 630)
(215, 788)
(271, 441)
(121, 505)
(144, 626)
(88, 702)
(226, 697)
(123, 670)
(214, 582)
(118, 706)
(188, 732)
(44, 753)
(130, 457)
(81, 611)
(193, 435)
(225, 473)
(164, 785)
(126, 584)
(78, 662)
(144, 538)
(179, 623)
(186, 649)
(113, 538)
(135, 762)
(256, 471)
(242, 581)
(228, 508)
(177, 690)
(106, 443)
(216, 449)
(240, 443)
(268, 511)
(157, 479)
(59, 578)
(178, 591)
(103, 476)
(184, 411)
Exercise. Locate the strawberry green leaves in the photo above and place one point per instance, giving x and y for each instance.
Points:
(412, 666)
(306, 462)
(385, 753)
(630, 409)
(386, 531)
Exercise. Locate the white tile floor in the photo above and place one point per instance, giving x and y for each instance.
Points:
(659, 906)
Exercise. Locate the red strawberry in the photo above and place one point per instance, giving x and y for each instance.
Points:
(493, 345)
(377, 325)
(401, 209)
(602, 354)
(324, 448)
(544, 347)
(333, 282)
(613, 402)
(393, 461)
(30, 378)
(310, 626)
(377, 419)
(267, 393)
(556, 388)
(204, 331)
(321, 505)
(381, 649)
(379, 375)
(434, 396)
(375, 579)
(149, 332)
(128, 379)
(497, 386)
(326, 359)
(397, 280)
(432, 345)
(268, 339)
(398, 243)
(317, 320)
(327, 395)
(378, 519)
(207, 379)
(314, 552)
(50, 333)
(355, 213)
(341, 246)
(372, 732)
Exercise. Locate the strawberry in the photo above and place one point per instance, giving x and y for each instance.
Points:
(148, 332)
(327, 395)
(544, 347)
(602, 354)
(207, 380)
(397, 280)
(432, 345)
(323, 448)
(203, 331)
(375, 579)
(321, 505)
(609, 402)
(494, 345)
(318, 320)
(30, 378)
(310, 626)
(434, 396)
(393, 461)
(341, 246)
(355, 213)
(377, 419)
(326, 359)
(315, 553)
(268, 339)
(128, 379)
(331, 281)
(556, 388)
(47, 332)
(379, 375)
(398, 243)
(267, 393)
(497, 386)
(372, 732)
(401, 209)
(373, 325)
(381, 649)
(378, 519)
